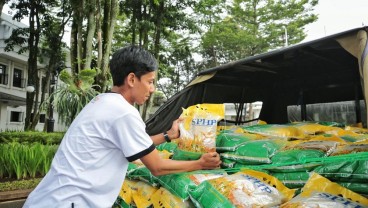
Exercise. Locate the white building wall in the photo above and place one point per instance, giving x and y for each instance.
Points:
(12, 60)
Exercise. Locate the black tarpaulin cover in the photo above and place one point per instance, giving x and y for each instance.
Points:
(330, 69)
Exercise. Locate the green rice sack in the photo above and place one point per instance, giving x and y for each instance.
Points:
(359, 187)
(186, 155)
(170, 147)
(292, 179)
(142, 173)
(246, 188)
(349, 170)
(295, 156)
(254, 152)
(230, 141)
(276, 130)
(179, 184)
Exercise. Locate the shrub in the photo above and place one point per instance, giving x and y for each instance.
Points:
(31, 137)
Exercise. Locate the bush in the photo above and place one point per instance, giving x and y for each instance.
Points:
(31, 137)
(19, 161)
(19, 185)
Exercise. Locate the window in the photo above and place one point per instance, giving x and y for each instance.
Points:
(15, 116)
(242, 113)
(42, 118)
(341, 112)
(3, 75)
(43, 83)
(17, 78)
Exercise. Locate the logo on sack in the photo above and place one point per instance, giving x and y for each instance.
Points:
(204, 122)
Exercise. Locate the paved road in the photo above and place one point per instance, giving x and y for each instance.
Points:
(12, 204)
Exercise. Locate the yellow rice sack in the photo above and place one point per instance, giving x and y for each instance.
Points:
(199, 129)
(244, 189)
(321, 192)
(142, 196)
(163, 198)
(311, 128)
(127, 190)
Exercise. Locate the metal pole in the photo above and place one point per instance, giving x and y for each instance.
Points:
(50, 120)
(286, 36)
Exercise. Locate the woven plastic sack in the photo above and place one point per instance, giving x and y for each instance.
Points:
(355, 147)
(320, 192)
(311, 128)
(170, 147)
(254, 152)
(277, 130)
(120, 203)
(358, 187)
(292, 179)
(162, 198)
(127, 190)
(142, 173)
(199, 129)
(230, 141)
(247, 188)
(181, 183)
(296, 156)
(142, 196)
(348, 170)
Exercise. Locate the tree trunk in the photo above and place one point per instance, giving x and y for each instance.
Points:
(158, 24)
(33, 79)
(99, 35)
(91, 28)
(110, 15)
(77, 35)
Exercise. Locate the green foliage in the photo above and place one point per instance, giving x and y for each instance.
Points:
(158, 98)
(255, 26)
(74, 94)
(23, 161)
(28, 137)
(17, 38)
(19, 184)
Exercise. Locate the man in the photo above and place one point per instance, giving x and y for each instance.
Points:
(91, 163)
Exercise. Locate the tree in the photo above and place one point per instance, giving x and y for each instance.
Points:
(179, 66)
(151, 24)
(76, 92)
(92, 28)
(45, 23)
(255, 26)
(34, 10)
(53, 24)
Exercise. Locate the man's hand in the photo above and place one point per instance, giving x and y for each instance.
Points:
(174, 132)
(210, 160)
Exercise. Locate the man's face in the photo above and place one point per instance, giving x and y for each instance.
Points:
(144, 87)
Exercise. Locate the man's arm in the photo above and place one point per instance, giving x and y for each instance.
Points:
(160, 166)
(173, 133)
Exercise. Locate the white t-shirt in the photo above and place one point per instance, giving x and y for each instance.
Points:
(89, 167)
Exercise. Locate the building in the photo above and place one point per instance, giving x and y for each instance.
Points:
(250, 112)
(13, 82)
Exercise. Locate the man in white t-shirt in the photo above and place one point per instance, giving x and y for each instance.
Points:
(91, 163)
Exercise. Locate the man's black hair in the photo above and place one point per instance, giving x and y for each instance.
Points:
(131, 59)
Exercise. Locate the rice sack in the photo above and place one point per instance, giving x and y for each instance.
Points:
(276, 130)
(179, 184)
(247, 188)
(162, 198)
(199, 129)
(321, 192)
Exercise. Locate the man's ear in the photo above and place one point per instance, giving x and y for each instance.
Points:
(130, 79)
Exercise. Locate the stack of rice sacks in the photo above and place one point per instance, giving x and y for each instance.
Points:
(263, 165)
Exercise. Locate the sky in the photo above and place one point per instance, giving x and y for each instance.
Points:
(336, 16)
